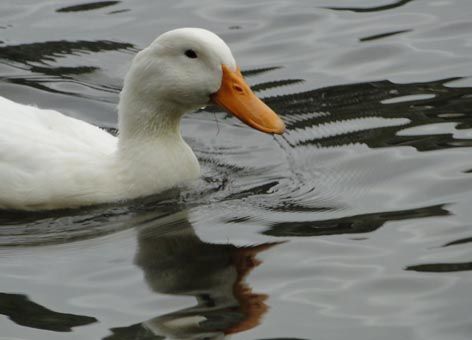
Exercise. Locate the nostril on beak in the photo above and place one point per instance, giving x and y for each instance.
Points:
(238, 88)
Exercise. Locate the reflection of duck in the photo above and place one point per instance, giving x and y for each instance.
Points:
(23, 311)
(175, 261)
(48, 160)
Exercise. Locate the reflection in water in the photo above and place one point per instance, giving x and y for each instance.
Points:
(383, 35)
(49, 51)
(88, 6)
(393, 5)
(347, 104)
(253, 72)
(21, 310)
(175, 261)
(352, 224)
(20, 228)
(441, 267)
(461, 241)
(37, 57)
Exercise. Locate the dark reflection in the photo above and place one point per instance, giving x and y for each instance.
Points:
(21, 310)
(43, 84)
(338, 105)
(55, 71)
(42, 52)
(383, 35)
(23, 228)
(441, 267)
(119, 11)
(461, 241)
(88, 6)
(138, 332)
(372, 9)
(257, 71)
(37, 57)
(274, 84)
(262, 189)
(175, 261)
(352, 224)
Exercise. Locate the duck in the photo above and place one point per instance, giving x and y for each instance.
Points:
(52, 161)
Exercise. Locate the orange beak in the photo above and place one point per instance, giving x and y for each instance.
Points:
(236, 97)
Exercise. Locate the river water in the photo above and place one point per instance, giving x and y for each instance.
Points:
(355, 224)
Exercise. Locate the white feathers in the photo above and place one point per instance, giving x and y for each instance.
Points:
(50, 161)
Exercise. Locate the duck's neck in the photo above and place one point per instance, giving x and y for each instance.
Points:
(151, 151)
(143, 117)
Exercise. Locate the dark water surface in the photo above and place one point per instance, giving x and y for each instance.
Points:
(356, 224)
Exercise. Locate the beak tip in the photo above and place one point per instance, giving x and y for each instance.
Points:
(276, 128)
(279, 132)
(280, 129)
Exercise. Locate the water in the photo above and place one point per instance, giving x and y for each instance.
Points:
(353, 225)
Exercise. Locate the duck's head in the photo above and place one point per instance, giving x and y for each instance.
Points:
(188, 68)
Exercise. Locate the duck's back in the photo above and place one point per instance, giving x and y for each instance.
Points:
(46, 156)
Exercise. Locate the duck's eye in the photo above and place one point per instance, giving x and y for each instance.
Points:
(191, 54)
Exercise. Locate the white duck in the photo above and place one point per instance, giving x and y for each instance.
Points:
(51, 161)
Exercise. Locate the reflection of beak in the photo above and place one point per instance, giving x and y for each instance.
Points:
(252, 305)
(236, 97)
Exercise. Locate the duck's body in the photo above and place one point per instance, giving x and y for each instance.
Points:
(49, 160)
(52, 161)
